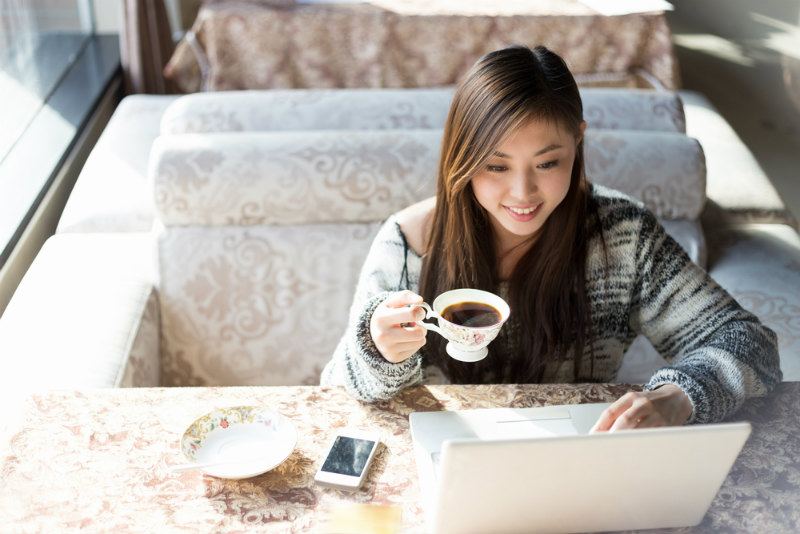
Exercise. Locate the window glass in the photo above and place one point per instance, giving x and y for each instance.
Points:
(39, 40)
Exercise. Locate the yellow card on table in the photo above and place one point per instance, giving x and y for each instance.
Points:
(355, 518)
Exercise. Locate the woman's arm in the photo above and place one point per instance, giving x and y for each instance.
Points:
(357, 364)
(719, 353)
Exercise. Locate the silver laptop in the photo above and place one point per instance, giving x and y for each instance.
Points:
(538, 470)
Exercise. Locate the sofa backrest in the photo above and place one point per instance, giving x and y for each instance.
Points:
(264, 234)
(373, 109)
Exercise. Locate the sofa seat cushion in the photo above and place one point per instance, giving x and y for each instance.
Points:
(106, 308)
(759, 264)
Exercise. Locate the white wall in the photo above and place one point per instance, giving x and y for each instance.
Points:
(107, 15)
(744, 56)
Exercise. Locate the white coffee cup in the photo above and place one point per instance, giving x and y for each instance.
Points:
(466, 343)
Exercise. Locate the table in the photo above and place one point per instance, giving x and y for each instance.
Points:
(411, 43)
(98, 460)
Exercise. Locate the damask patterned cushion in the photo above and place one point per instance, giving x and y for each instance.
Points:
(638, 109)
(362, 176)
(308, 109)
(375, 109)
(666, 171)
(265, 233)
(291, 177)
(266, 304)
(111, 193)
(260, 305)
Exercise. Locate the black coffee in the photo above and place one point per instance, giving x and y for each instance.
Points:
(471, 314)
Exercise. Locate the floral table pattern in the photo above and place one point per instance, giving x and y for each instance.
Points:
(99, 460)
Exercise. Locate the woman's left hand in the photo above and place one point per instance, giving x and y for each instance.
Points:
(666, 405)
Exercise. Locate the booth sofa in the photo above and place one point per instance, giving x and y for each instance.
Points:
(216, 238)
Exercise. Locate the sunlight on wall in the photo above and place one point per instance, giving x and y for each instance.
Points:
(716, 46)
(785, 39)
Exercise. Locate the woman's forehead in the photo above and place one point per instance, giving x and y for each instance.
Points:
(537, 130)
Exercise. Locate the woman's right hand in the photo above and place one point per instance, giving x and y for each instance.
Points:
(394, 327)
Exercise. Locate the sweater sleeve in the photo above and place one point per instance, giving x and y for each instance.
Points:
(718, 353)
(356, 363)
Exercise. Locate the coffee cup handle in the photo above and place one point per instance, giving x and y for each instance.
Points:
(429, 314)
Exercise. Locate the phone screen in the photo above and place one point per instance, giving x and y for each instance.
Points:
(348, 456)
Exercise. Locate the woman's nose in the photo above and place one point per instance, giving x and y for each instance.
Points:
(524, 183)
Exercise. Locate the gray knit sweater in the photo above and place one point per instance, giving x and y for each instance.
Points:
(718, 353)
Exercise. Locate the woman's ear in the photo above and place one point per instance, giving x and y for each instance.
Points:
(583, 130)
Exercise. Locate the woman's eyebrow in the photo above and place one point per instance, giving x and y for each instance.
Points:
(548, 148)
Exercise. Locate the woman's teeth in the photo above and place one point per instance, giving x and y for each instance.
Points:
(523, 211)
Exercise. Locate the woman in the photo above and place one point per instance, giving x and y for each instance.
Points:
(584, 268)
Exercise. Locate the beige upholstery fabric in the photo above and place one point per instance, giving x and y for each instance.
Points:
(257, 305)
(666, 171)
(292, 177)
(144, 364)
(308, 109)
(759, 264)
(376, 109)
(317, 176)
(111, 193)
(79, 312)
(640, 109)
(265, 233)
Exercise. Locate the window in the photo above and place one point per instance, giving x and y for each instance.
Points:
(54, 69)
(37, 46)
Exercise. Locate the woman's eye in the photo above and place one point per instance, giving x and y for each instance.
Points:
(548, 164)
(496, 168)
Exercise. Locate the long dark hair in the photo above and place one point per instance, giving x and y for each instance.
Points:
(547, 290)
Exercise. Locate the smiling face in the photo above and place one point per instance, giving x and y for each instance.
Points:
(525, 179)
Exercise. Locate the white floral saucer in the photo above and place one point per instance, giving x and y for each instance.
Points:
(239, 442)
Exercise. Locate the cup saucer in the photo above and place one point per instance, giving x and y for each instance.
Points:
(460, 354)
(242, 441)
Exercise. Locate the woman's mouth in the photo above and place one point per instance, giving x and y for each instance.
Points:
(522, 213)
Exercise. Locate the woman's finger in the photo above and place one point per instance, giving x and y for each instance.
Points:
(610, 414)
(652, 420)
(402, 299)
(628, 419)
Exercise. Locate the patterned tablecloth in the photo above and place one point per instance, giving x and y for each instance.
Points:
(411, 43)
(98, 460)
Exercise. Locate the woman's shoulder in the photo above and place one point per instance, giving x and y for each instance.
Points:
(414, 222)
(613, 206)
